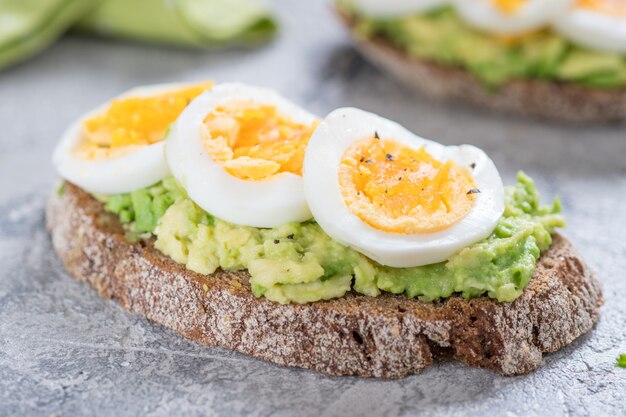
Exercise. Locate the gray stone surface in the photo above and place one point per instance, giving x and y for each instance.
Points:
(64, 351)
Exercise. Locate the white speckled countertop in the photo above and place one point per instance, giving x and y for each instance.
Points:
(66, 352)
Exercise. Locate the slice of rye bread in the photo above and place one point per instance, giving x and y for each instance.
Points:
(544, 99)
(388, 336)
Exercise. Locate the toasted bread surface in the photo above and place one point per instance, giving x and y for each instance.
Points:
(543, 99)
(388, 336)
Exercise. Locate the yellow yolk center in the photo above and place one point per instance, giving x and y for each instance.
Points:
(508, 6)
(394, 188)
(253, 141)
(611, 7)
(511, 7)
(133, 122)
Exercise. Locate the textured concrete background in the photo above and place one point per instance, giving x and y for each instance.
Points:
(64, 351)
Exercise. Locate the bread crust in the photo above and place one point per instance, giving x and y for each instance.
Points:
(543, 99)
(389, 336)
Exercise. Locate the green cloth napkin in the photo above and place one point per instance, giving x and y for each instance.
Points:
(29, 26)
(196, 23)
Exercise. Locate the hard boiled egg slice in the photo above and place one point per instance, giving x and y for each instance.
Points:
(238, 150)
(397, 198)
(390, 8)
(118, 147)
(510, 17)
(596, 24)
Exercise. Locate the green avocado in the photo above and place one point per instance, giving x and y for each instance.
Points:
(441, 36)
(299, 263)
(602, 71)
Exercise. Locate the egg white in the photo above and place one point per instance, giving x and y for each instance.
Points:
(266, 203)
(390, 8)
(321, 184)
(123, 174)
(593, 29)
(535, 14)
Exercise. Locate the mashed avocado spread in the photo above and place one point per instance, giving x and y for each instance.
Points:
(299, 263)
(441, 36)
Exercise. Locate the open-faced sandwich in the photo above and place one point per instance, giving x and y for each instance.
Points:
(555, 59)
(347, 245)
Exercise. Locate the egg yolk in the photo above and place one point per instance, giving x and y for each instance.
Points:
(394, 188)
(611, 7)
(254, 141)
(134, 122)
(508, 6)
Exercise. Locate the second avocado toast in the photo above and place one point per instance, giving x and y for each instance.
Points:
(552, 59)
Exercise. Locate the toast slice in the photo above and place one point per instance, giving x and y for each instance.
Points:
(388, 336)
(544, 99)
